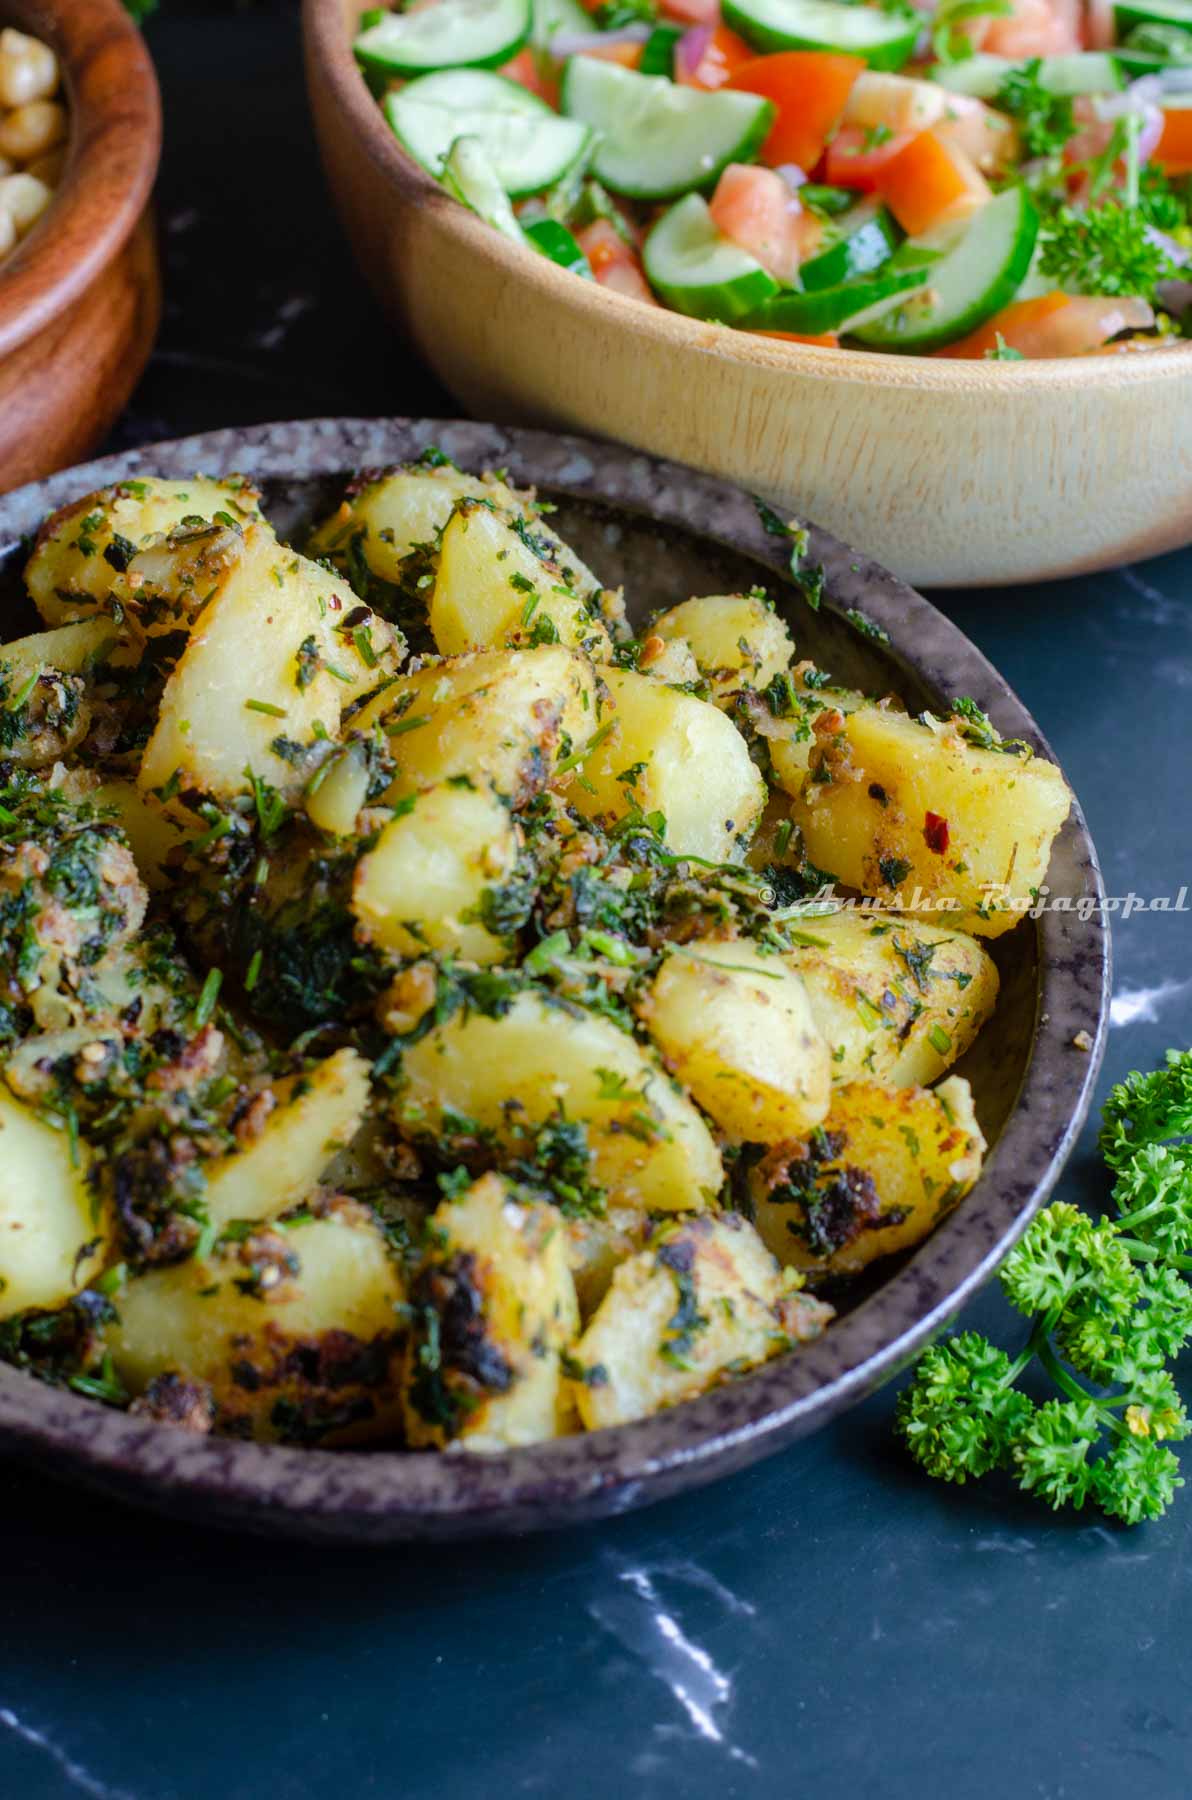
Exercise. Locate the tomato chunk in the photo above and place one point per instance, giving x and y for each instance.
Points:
(1174, 152)
(613, 264)
(529, 73)
(931, 183)
(855, 161)
(759, 212)
(692, 12)
(810, 89)
(1053, 325)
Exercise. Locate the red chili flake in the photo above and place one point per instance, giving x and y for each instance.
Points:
(935, 830)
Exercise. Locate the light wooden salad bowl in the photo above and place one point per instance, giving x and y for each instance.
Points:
(951, 473)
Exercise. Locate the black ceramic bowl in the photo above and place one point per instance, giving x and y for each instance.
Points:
(666, 533)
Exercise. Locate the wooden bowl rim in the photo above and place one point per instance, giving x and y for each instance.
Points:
(114, 146)
(329, 57)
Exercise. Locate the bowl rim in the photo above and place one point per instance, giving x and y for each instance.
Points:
(383, 1495)
(329, 60)
(114, 146)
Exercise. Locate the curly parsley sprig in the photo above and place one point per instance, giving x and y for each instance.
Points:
(1109, 1307)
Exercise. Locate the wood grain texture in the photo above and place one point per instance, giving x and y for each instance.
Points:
(80, 297)
(950, 473)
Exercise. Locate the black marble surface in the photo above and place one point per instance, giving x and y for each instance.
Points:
(828, 1622)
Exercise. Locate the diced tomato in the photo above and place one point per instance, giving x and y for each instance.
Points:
(810, 89)
(759, 212)
(1053, 325)
(717, 59)
(526, 70)
(826, 340)
(853, 161)
(930, 184)
(987, 137)
(1174, 152)
(1033, 28)
(692, 12)
(613, 264)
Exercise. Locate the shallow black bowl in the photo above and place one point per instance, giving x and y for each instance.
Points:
(666, 533)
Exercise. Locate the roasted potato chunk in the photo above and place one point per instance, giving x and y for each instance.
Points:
(897, 1000)
(83, 548)
(305, 1121)
(493, 1306)
(704, 1301)
(506, 715)
(672, 755)
(894, 806)
(424, 884)
(736, 1028)
(884, 1168)
(515, 1080)
(497, 586)
(264, 669)
(737, 639)
(52, 1238)
(294, 1331)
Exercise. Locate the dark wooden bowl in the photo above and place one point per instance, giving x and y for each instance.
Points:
(80, 297)
(666, 533)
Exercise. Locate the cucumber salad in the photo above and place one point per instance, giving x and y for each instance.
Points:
(1001, 179)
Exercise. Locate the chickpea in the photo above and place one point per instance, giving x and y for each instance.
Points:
(24, 198)
(28, 69)
(8, 233)
(29, 131)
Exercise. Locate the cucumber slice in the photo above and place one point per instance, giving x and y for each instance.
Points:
(979, 275)
(658, 51)
(658, 140)
(469, 175)
(698, 271)
(1129, 13)
(884, 39)
(454, 34)
(528, 145)
(1084, 72)
(556, 242)
(868, 238)
(550, 16)
(828, 309)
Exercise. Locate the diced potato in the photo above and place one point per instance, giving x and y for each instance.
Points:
(737, 640)
(151, 833)
(73, 649)
(406, 509)
(494, 1304)
(505, 1077)
(671, 754)
(703, 1302)
(495, 587)
(896, 999)
(70, 571)
(334, 802)
(736, 1029)
(790, 741)
(507, 715)
(892, 806)
(668, 659)
(884, 1168)
(296, 1331)
(595, 1246)
(316, 1116)
(263, 663)
(52, 1240)
(423, 884)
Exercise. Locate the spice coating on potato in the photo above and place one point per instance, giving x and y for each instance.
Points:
(53, 1236)
(737, 639)
(497, 584)
(493, 1306)
(886, 1165)
(897, 1000)
(704, 1301)
(737, 1030)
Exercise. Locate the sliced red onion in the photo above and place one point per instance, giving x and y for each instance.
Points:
(691, 48)
(575, 43)
(792, 174)
(1168, 245)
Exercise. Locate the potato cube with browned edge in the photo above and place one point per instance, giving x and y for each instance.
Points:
(704, 1301)
(882, 1170)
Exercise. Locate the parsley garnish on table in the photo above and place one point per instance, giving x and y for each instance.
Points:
(1110, 1307)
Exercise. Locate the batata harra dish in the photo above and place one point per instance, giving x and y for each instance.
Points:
(423, 1024)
